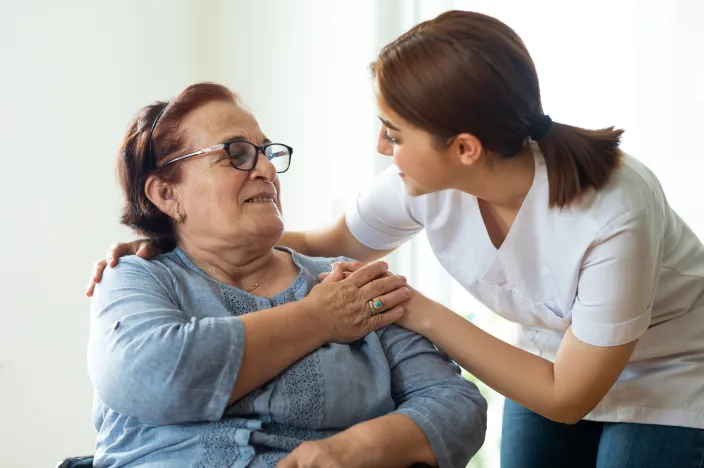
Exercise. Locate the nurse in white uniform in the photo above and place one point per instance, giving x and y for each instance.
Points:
(549, 226)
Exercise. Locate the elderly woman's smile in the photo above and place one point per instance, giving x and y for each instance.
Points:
(231, 190)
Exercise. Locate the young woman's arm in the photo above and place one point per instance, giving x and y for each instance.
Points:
(564, 391)
(332, 241)
(612, 310)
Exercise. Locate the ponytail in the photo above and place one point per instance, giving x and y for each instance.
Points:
(578, 159)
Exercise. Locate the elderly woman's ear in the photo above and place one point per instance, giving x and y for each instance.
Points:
(165, 196)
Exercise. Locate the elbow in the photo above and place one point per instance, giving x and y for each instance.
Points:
(149, 407)
(148, 401)
(144, 406)
(465, 419)
(569, 412)
(568, 419)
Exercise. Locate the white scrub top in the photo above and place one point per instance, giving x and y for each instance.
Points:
(617, 266)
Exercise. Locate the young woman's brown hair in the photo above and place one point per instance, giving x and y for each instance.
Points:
(464, 72)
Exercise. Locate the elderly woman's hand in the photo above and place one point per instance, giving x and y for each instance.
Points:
(346, 305)
(142, 247)
(417, 309)
(314, 454)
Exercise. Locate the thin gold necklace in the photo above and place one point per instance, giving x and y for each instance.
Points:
(211, 270)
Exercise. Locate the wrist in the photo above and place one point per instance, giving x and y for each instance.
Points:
(352, 450)
(306, 313)
(425, 313)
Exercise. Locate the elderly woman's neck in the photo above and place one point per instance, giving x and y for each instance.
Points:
(244, 267)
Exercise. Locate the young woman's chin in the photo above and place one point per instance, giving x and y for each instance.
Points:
(411, 187)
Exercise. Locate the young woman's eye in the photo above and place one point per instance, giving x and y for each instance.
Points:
(391, 140)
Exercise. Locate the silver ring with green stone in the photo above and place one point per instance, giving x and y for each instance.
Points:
(376, 306)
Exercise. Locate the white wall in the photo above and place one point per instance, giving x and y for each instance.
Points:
(72, 74)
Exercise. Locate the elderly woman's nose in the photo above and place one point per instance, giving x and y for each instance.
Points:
(264, 168)
(384, 146)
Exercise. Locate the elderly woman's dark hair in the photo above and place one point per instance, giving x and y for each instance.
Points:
(136, 162)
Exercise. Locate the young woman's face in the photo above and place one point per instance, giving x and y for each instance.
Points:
(424, 168)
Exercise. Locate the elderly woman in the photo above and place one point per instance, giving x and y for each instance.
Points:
(227, 351)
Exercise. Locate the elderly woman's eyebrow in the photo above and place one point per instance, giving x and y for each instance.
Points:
(265, 141)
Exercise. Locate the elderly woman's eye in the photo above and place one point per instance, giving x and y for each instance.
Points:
(239, 158)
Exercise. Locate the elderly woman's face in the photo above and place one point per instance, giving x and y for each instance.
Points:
(220, 202)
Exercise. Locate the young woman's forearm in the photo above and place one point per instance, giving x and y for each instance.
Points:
(564, 391)
(331, 241)
(518, 375)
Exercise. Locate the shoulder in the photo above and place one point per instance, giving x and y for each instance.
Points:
(161, 271)
(633, 191)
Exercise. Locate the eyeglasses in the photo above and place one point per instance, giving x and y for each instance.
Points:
(243, 154)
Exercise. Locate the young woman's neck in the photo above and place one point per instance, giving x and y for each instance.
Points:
(503, 182)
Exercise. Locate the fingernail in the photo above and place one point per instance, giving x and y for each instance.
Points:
(403, 278)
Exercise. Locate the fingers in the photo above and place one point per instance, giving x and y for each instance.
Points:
(146, 250)
(385, 318)
(347, 267)
(350, 266)
(90, 289)
(390, 300)
(112, 255)
(368, 273)
(381, 286)
(288, 462)
(337, 274)
(95, 276)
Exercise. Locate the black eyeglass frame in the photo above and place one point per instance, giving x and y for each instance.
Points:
(226, 146)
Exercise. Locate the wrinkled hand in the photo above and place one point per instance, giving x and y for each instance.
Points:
(418, 309)
(315, 454)
(341, 301)
(142, 247)
(347, 268)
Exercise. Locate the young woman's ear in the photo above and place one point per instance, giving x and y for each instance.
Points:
(468, 148)
(164, 195)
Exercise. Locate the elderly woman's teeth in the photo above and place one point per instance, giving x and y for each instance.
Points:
(260, 200)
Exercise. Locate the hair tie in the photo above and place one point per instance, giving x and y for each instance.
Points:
(540, 127)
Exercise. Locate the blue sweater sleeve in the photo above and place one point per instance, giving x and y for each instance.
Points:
(148, 359)
(429, 389)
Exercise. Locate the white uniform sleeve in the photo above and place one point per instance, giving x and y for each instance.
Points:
(618, 281)
(381, 217)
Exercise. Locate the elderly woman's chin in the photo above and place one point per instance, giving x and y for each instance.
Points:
(264, 219)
